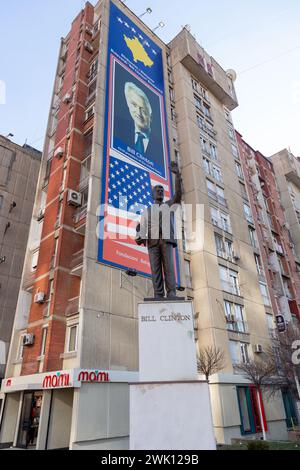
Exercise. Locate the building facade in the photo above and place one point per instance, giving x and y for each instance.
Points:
(19, 169)
(78, 315)
(287, 169)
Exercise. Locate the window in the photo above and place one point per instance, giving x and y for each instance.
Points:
(220, 246)
(259, 267)
(248, 213)
(93, 70)
(217, 173)
(244, 353)
(34, 260)
(173, 114)
(253, 237)
(187, 268)
(206, 165)
(44, 341)
(85, 173)
(206, 109)
(238, 170)
(215, 192)
(171, 93)
(201, 122)
(265, 294)
(211, 189)
(223, 247)
(239, 352)
(205, 147)
(221, 196)
(239, 315)
(198, 102)
(213, 151)
(194, 84)
(72, 338)
(89, 112)
(229, 280)
(231, 133)
(271, 325)
(220, 219)
(20, 352)
(235, 152)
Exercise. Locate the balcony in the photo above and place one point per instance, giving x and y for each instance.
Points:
(72, 307)
(76, 263)
(190, 54)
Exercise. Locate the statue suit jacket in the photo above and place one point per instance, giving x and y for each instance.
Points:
(157, 221)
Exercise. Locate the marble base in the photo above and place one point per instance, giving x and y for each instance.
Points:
(171, 416)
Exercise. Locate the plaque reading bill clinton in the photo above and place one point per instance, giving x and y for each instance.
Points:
(157, 231)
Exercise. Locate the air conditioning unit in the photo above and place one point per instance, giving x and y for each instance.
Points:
(88, 46)
(258, 349)
(236, 256)
(28, 339)
(74, 198)
(67, 98)
(59, 152)
(39, 298)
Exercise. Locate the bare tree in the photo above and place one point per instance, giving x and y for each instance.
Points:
(210, 361)
(281, 352)
(262, 374)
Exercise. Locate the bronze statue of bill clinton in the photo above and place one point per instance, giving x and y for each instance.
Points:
(157, 231)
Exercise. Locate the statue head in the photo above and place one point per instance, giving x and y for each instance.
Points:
(158, 194)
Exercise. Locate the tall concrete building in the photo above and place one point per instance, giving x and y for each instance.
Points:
(75, 343)
(19, 169)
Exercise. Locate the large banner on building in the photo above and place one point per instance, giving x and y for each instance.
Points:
(136, 151)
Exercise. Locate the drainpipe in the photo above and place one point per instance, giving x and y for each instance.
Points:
(260, 414)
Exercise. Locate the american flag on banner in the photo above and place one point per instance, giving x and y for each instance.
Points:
(129, 193)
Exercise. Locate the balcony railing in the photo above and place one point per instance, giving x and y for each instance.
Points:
(77, 260)
(81, 214)
(72, 307)
(238, 326)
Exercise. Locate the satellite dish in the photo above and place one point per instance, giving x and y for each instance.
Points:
(231, 74)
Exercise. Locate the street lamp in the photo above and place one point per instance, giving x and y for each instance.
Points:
(148, 10)
(161, 24)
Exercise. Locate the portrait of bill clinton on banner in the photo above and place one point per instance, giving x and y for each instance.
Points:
(137, 128)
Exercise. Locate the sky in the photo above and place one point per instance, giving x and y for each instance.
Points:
(259, 39)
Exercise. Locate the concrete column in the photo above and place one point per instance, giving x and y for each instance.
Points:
(44, 421)
(18, 419)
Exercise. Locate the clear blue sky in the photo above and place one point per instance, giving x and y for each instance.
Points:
(258, 38)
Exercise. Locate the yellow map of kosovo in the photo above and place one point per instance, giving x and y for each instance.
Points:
(138, 51)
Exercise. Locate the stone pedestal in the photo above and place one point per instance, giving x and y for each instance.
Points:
(169, 408)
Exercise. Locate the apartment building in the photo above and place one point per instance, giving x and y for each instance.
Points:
(75, 340)
(19, 169)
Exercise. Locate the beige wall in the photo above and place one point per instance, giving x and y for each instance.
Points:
(60, 419)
